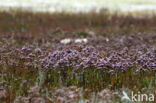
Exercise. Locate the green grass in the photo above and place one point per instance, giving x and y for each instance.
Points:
(18, 80)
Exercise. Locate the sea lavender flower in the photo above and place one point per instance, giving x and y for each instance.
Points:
(102, 63)
(24, 48)
(146, 61)
(31, 55)
(88, 50)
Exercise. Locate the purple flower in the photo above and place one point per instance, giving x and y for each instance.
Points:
(24, 48)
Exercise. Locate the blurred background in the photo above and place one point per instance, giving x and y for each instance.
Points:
(42, 16)
(78, 5)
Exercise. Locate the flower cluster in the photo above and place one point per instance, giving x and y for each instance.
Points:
(146, 62)
(118, 54)
(88, 56)
(24, 56)
(85, 57)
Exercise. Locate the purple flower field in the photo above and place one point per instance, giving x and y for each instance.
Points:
(116, 55)
(77, 66)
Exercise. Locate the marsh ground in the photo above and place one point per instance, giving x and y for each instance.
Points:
(30, 47)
